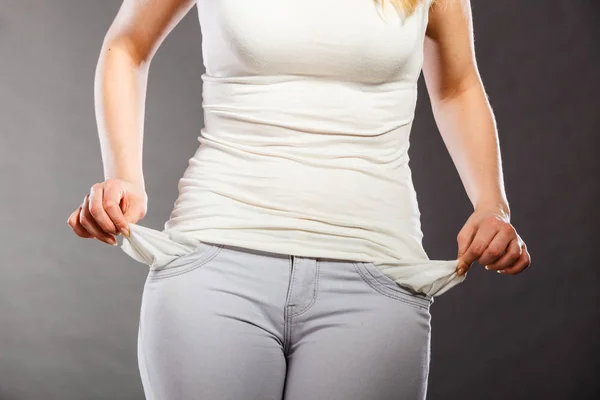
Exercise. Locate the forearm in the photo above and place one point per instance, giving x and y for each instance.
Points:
(467, 125)
(119, 92)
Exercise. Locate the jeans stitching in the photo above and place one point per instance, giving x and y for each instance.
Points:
(369, 279)
(205, 258)
(426, 302)
(287, 309)
(315, 294)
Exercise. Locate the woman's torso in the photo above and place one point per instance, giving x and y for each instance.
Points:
(308, 109)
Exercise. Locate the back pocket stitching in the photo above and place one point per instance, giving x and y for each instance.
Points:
(386, 291)
(205, 258)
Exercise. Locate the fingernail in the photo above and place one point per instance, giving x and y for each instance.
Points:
(499, 271)
(125, 232)
(460, 271)
(487, 267)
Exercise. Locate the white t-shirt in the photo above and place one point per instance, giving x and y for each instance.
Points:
(308, 108)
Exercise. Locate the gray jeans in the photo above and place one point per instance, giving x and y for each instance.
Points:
(227, 323)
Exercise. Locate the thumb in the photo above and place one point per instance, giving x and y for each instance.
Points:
(133, 210)
(464, 240)
(128, 214)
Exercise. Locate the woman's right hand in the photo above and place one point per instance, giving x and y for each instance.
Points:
(108, 209)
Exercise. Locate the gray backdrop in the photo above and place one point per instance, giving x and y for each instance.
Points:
(69, 306)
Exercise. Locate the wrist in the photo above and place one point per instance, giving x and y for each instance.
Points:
(500, 206)
(136, 180)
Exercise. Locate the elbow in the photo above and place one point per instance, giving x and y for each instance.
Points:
(449, 91)
(128, 46)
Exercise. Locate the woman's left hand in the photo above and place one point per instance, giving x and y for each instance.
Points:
(488, 237)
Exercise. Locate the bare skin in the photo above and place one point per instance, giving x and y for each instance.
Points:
(467, 125)
(459, 103)
(120, 89)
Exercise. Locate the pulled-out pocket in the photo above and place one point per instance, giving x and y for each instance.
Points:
(167, 253)
(389, 288)
(202, 254)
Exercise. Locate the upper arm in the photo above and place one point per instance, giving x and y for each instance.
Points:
(142, 25)
(449, 65)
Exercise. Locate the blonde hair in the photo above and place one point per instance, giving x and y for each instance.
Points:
(407, 6)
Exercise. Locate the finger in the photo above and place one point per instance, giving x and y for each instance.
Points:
(96, 206)
(482, 239)
(464, 239)
(90, 225)
(113, 194)
(133, 211)
(523, 263)
(511, 256)
(73, 222)
(499, 246)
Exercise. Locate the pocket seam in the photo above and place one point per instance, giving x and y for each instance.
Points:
(205, 258)
(387, 291)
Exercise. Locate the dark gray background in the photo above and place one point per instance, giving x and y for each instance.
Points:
(69, 307)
